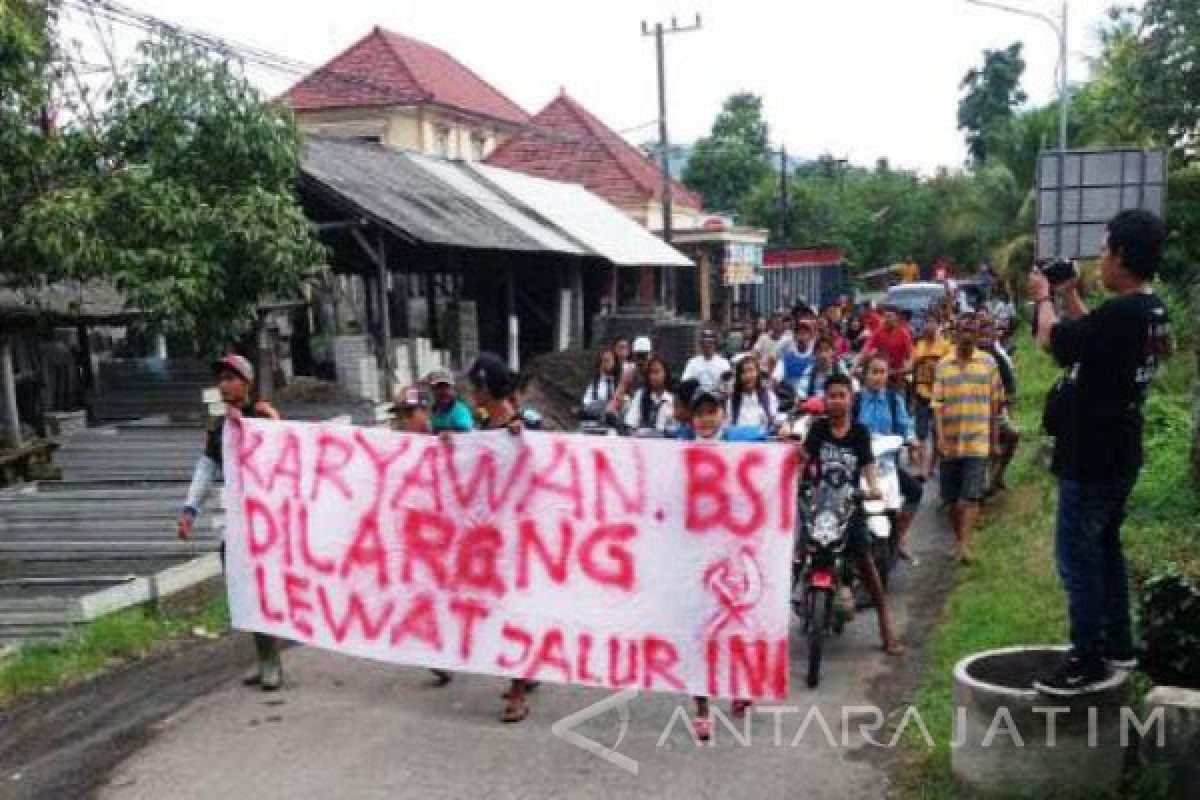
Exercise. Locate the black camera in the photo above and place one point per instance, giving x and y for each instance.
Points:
(1058, 271)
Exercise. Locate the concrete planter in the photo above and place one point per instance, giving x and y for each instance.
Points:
(1013, 741)
(1178, 748)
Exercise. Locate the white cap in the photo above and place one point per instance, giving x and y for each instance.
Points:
(642, 345)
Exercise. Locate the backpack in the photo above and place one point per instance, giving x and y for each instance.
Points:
(893, 406)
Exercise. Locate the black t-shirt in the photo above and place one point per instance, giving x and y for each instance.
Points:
(212, 439)
(831, 454)
(1112, 354)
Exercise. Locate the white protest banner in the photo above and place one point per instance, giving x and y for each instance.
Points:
(601, 561)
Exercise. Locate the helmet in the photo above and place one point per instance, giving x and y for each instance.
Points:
(813, 405)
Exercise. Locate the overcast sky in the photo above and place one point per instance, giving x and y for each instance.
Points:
(860, 79)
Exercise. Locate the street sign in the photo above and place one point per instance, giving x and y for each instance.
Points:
(1079, 191)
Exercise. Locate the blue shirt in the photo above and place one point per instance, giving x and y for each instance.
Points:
(456, 418)
(875, 412)
(685, 433)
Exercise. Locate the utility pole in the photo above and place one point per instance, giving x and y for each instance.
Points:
(1064, 96)
(658, 31)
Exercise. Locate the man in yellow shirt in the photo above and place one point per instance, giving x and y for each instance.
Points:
(909, 271)
(930, 349)
(967, 398)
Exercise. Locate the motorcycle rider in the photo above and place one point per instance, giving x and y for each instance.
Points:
(752, 404)
(826, 364)
(653, 407)
(708, 367)
(633, 377)
(603, 385)
(882, 410)
(836, 440)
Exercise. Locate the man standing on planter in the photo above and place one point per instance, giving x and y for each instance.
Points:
(1095, 415)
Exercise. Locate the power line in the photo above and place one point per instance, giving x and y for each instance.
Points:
(282, 64)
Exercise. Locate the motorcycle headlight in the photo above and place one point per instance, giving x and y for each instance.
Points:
(825, 528)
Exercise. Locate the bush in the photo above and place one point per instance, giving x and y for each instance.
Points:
(1171, 629)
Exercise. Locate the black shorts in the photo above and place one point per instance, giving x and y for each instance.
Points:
(963, 479)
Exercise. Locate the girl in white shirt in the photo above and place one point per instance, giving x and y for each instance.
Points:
(653, 407)
(604, 382)
(752, 404)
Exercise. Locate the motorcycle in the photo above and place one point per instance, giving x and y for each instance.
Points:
(819, 569)
(881, 514)
(599, 422)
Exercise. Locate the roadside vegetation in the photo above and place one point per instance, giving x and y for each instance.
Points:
(105, 644)
(1011, 594)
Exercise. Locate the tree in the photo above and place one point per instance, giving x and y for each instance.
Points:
(189, 206)
(991, 93)
(727, 164)
(1165, 69)
(35, 161)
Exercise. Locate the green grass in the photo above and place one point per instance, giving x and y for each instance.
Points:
(103, 644)
(1011, 594)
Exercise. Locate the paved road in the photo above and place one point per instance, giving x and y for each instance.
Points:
(347, 728)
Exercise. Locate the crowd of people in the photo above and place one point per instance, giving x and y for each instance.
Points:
(938, 382)
(943, 381)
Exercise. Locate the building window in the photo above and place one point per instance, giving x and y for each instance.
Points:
(478, 146)
(441, 141)
(370, 139)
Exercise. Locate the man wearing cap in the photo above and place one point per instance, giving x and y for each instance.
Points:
(410, 411)
(449, 412)
(235, 377)
(708, 368)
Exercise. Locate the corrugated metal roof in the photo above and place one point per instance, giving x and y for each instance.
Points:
(387, 185)
(602, 227)
(69, 300)
(459, 176)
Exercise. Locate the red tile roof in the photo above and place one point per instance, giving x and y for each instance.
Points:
(386, 68)
(576, 147)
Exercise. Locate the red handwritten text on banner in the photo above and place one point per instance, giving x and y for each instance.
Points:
(607, 562)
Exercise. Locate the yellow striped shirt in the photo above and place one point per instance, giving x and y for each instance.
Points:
(967, 395)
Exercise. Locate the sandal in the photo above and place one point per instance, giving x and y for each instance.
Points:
(529, 687)
(703, 726)
(441, 677)
(515, 711)
(740, 707)
(895, 648)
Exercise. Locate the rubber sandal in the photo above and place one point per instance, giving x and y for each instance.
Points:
(530, 686)
(740, 707)
(441, 677)
(894, 649)
(703, 727)
(515, 713)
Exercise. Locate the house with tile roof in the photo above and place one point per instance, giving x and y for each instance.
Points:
(405, 94)
(569, 143)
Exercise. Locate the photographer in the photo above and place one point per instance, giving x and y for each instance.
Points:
(1095, 415)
